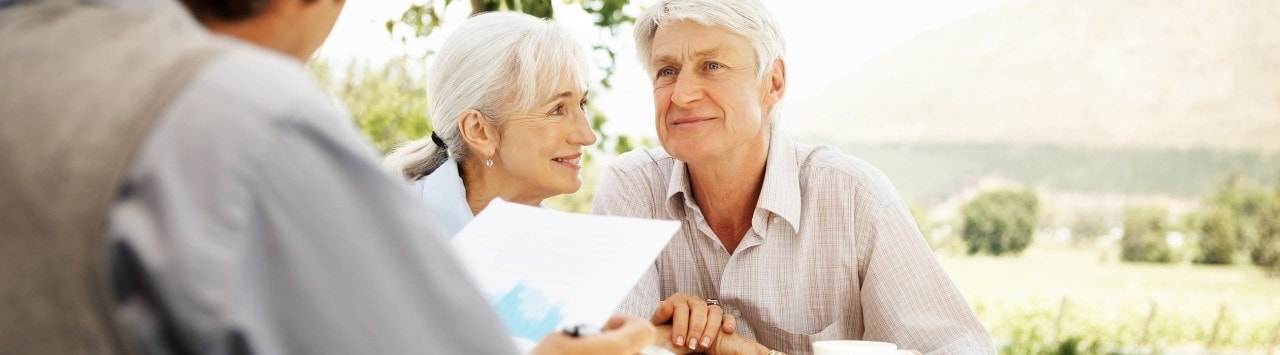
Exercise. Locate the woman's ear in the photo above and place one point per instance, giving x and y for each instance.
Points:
(480, 135)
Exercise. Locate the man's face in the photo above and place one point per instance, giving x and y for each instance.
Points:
(708, 98)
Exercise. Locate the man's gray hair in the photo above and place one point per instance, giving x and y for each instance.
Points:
(497, 63)
(747, 18)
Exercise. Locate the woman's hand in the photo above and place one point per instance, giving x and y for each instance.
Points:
(694, 323)
(622, 336)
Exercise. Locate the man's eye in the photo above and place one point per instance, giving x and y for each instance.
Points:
(666, 72)
(559, 110)
(714, 65)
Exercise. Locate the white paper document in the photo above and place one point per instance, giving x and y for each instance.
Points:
(543, 270)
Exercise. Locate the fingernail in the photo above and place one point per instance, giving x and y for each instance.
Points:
(693, 344)
(679, 340)
(706, 342)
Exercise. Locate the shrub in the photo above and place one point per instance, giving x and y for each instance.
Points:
(1000, 222)
(1217, 237)
(1256, 216)
(1266, 251)
(1144, 231)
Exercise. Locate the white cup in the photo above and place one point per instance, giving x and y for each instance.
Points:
(855, 347)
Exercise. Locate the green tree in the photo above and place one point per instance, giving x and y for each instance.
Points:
(1245, 202)
(1144, 231)
(1217, 237)
(1000, 222)
(1256, 215)
(386, 101)
(1266, 251)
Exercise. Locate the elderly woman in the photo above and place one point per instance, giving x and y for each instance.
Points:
(507, 97)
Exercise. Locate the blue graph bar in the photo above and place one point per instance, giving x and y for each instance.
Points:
(528, 313)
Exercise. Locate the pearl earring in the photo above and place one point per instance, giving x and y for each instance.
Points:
(488, 162)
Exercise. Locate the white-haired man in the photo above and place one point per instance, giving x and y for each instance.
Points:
(798, 242)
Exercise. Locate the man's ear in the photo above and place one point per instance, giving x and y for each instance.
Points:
(480, 135)
(775, 83)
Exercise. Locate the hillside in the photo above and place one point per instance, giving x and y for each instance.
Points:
(1076, 73)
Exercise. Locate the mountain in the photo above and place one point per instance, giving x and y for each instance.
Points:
(1075, 73)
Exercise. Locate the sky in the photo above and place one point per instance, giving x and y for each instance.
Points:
(826, 39)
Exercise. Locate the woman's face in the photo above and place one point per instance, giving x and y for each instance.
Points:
(540, 150)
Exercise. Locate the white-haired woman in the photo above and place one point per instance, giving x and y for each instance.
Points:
(507, 93)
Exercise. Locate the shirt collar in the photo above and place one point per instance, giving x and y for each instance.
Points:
(781, 191)
(444, 195)
(780, 194)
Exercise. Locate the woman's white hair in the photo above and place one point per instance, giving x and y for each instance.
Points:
(497, 63)
(747, 18)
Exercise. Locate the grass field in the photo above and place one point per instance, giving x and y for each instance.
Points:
(1109, 305)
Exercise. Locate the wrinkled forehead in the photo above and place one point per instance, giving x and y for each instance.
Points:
(692, 40)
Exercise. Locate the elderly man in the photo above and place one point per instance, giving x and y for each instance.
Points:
(798, 242)
(171, 191)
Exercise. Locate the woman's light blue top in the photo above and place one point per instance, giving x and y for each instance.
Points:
(445, 197)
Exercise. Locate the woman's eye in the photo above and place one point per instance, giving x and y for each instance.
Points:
(714, 65)
(559, 110)
(666, 72)
(583, 105)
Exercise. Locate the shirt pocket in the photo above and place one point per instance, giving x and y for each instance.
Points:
(802, 343)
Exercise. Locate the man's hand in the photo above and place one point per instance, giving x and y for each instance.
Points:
(694, 324)
(622, 336)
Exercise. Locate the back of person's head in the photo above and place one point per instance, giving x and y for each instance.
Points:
(225, 10)
(296, 28)
(496, 63)
(748, 18)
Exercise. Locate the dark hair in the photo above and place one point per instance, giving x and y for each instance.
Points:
(225, 10)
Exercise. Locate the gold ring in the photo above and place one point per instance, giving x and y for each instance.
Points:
(713, 302)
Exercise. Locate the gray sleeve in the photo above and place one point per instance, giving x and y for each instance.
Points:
(280, 235)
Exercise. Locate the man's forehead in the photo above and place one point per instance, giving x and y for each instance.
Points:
(714, 43)
(677, 55)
